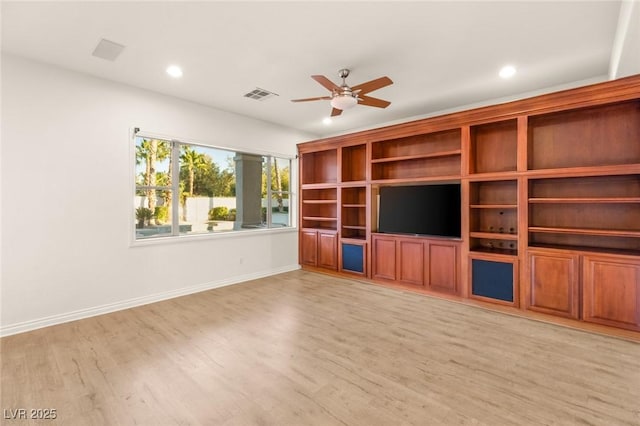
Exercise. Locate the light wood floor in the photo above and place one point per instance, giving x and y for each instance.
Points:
(307, 349)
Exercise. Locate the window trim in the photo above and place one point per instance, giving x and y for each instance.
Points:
(175, 235)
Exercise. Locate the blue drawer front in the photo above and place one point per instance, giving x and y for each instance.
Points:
(352, 258)
(492, 279)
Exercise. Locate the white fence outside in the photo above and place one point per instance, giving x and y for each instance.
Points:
(198, 210)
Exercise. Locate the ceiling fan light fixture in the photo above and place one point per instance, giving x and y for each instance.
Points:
(343, 102)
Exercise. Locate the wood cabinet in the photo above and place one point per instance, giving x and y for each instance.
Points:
(309, 247)
(550, 202)
(384, 257)
(607, 286)
(353, 254)
(554, 278)
(424, 263)
(328, 250)
(494, 278)
(611, 290)
(319, 248)
(442, 266)
(410, 261)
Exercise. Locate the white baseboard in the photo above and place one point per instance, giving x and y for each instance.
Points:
(25, 326)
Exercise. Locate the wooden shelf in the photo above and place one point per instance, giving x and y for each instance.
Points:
(318, 186)
(494, 236)
(583, 231)
(354, 205)
(363, 228)
(574, 248)
(439, 179)
(320, 219)
(417, 156)
(328, 229)
(357, 240)
(586, 200)
(493, 206)
(607, 170)
(501, 251)
(319, 201)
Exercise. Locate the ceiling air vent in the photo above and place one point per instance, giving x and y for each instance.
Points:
(108, 50)
(260, 94)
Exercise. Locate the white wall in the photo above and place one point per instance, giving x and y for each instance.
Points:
(66, 198)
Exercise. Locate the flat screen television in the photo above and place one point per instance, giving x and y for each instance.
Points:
(420, 210)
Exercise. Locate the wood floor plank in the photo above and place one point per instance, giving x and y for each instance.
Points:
(307, 349)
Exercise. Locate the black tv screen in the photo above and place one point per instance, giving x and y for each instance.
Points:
(420, 210)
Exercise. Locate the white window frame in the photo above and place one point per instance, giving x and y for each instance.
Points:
(175, 235)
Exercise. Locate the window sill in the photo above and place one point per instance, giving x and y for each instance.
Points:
(210, 236)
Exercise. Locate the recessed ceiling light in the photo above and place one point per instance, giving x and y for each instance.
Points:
(174, 71)
(326, 121)
(507, 71)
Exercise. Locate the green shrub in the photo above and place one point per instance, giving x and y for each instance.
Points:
(143, 215)
(162, 214)
(232, 215)
(218, 213)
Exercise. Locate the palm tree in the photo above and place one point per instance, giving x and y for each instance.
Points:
(151, 151)
(190, 160)
(278, 185)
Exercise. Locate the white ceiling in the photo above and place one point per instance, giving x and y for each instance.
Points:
(440, 55)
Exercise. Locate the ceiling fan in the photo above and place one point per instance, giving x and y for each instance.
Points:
(345, 97)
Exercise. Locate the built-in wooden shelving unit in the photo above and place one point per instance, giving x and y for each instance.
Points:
(550, 204)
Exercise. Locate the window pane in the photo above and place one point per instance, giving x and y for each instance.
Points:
(280, 174)
(280, 209)
(218, 190)
(153, 162)
(152, 210)
(207, 185)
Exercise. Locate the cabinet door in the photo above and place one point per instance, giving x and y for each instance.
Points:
(309, 248)
(611, 291)
(442, 267)
(553, 283)
(411, 262)
(353, 258)
(494, 278)
(328, 250)
(384, 258)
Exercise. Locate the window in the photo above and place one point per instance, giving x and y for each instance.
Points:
(187, 189)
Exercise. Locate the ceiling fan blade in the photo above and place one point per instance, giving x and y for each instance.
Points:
(335, 112)
(374, 102)
(321, 98)
(372, 85)
(328, 84)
